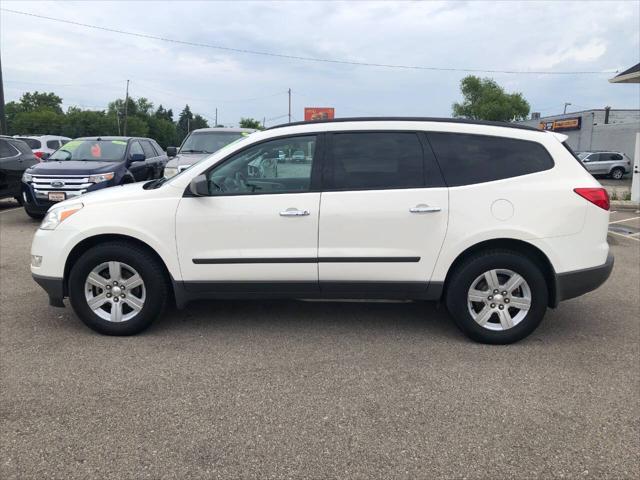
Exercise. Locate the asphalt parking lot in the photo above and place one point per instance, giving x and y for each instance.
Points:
(291, 389)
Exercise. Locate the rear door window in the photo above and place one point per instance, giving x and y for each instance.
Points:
(54, 144)
(467, 159)
(149, 152)
(374, 160)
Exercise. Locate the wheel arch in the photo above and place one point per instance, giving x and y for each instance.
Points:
(518, 246)
(78, 250)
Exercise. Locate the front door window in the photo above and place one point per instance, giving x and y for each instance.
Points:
(277, 166)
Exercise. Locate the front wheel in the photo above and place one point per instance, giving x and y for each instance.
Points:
(617, 173)
(34, 215)
(497, 297)
(117, 289)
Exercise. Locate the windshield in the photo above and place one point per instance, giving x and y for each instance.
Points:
(91, 151)
(219, 153)
(209, 142)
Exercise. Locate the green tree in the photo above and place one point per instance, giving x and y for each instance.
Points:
(484, 99)
(184, 123)
(81, 123)
(250, 123)
(199, 122)
(161, 112)
(137, 127)
(12, 109)
(32, 102)
(144, 107)
(163, 131)
(37, 122)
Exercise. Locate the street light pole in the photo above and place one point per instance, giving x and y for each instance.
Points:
(566, 104)
(126, 103)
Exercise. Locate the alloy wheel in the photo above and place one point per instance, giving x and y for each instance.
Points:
(499, 299)
(115, 291)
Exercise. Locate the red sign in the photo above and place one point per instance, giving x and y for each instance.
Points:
(318, 113)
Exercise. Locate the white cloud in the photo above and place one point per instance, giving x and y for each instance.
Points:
(487, 35)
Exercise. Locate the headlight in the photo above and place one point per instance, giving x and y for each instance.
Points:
(170, 172)
(102, 177)
(56, 216)
(26, 177)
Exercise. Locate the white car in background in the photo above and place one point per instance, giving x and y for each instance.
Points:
(43, 144)
(496, 221)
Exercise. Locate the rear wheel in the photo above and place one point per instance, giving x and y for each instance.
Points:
(497, 297)
(118, 289)
(617, 173)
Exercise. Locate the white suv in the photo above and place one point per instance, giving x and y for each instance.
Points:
(499, 222)
(43, 146)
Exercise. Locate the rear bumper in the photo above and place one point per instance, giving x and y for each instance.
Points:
(54, 288)
(576, 283)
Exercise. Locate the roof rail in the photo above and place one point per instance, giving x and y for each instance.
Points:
(411, 119)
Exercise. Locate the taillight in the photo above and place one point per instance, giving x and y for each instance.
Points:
(597, 196)
(38, 154)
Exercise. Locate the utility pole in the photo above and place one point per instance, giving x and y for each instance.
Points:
(566, 104)
(188, 125)
(264, 120)
(216, 122)
(3, 119)
(289, 105)
(126, 104)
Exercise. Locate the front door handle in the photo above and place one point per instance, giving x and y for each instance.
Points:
(422, 208)
(294, 212)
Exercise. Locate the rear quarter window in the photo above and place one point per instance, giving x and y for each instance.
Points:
(33, 143)
(53, 144)
(467, 159)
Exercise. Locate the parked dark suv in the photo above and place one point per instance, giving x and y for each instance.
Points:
(15, 157)
(87, 164)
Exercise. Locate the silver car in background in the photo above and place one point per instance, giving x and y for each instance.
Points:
(199, 144)
(611, 164)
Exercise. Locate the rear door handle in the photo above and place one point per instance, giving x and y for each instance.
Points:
(294, 212)
(422, 208)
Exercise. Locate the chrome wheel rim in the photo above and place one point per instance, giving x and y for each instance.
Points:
(499, 299)
(115, 291)
(617, 174)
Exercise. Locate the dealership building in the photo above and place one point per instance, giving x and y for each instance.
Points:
(597, 129)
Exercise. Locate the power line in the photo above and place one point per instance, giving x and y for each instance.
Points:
(302, 58)
(216, 100)
(65, 84)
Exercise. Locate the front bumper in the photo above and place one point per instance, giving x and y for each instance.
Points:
(54, 288)
(576, 283)
(39, 204)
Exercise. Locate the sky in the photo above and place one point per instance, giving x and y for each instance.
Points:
(89, 67)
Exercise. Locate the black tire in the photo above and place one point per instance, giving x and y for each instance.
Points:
(148, 267)
(34, 215)
(617, 173)
(467, 272)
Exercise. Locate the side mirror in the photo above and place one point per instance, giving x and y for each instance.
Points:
(136, 157)
(44, 156)
(172, 151)
(199, 186)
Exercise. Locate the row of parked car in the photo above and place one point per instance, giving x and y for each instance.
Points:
(40, 170)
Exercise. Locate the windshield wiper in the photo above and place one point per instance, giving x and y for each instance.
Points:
(193, 151)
